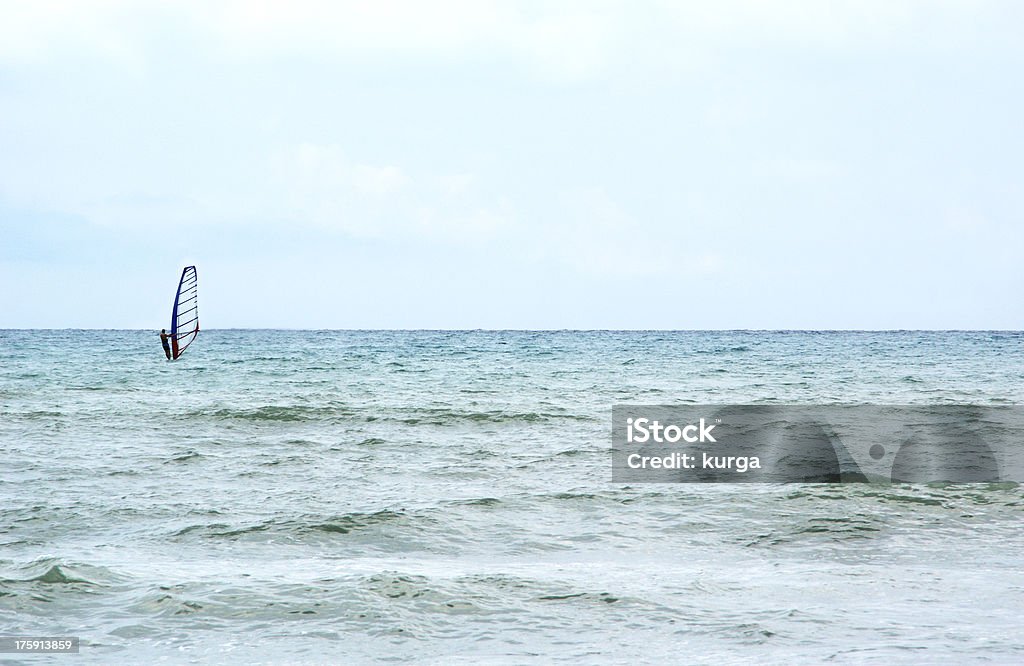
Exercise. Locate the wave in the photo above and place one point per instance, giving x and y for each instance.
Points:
(341, 524)
(273, 413)
(445, 416)
(41, 414)
(605, 597)
(430, 416)
(480, 501)
(52, 571)
(185, 456)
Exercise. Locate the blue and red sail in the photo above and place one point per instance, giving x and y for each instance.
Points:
(185, 315)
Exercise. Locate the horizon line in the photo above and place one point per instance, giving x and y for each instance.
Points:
(555, 330)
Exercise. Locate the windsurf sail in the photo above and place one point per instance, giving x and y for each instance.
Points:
(185, 315)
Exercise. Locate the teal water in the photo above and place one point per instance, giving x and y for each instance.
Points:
(446, 497)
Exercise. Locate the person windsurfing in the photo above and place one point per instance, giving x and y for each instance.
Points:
(163, 340)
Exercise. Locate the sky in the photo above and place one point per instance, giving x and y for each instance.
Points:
(530, 165)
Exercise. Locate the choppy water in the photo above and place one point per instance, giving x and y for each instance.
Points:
(309, 497)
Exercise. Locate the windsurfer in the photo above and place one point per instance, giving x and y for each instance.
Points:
(163, 340)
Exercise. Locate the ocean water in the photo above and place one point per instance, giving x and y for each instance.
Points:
(446, 497)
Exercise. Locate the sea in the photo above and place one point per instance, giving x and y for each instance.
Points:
(446, 497)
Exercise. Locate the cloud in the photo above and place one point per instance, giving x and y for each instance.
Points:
(467, 225)
(563, 40)
(326, 190)
(258, 27)
(39, 33)
(596, 236)
(378, 180)
(457, 183)
(558, 41)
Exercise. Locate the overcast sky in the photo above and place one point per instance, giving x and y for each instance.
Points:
(476, 164)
